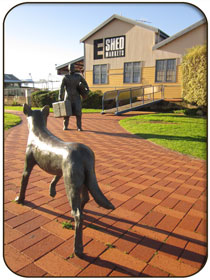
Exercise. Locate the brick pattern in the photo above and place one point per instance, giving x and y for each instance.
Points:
(157, 229)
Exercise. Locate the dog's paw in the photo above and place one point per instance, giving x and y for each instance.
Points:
(19, 200)
(79, 253)
(52, 193)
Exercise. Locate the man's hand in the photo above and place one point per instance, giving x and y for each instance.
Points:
(60, 96)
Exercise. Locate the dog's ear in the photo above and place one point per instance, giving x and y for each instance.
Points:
(46, 111)
(27, 110)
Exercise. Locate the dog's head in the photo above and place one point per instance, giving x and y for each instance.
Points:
(36, 118)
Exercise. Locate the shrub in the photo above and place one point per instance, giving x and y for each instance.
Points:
(37, 98)
(53, 96)
(194, 73)
(44, 97)
(93, 101)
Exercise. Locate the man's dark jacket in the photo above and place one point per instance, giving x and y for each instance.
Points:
(71, 84)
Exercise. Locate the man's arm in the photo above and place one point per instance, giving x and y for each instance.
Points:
(62, 90)
(84, 82)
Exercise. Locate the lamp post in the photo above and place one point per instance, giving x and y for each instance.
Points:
(49, 80)
(31, 79)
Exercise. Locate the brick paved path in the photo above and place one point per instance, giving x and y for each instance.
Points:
(158, 226)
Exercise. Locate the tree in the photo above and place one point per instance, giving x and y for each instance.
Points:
(194, 76)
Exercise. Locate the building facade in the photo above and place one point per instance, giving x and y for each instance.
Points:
(122, 53)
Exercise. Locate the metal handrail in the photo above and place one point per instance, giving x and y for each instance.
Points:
(117, 94)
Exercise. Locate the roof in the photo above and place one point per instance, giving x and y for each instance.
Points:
(149, 27)
(27, 81)
(70, 62)
(179, 34)
(9, 78)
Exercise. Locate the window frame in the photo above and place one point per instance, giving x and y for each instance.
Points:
(100, 73)
(131, 79)
(166, 70)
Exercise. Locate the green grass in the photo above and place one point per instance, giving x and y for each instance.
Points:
(20, 108)
(184, 134)
(110, 245)
(67, 225)
(84, 110)
(10, 120)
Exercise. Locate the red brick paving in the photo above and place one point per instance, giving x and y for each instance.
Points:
(157, 229)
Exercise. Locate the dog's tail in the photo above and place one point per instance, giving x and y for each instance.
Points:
(93, 187)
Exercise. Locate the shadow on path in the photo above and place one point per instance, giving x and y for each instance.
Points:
(132, 236)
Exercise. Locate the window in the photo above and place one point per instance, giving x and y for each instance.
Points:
(132, 72)
(165, 70)
(100, 74)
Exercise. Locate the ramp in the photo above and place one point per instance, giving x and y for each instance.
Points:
(131, 99)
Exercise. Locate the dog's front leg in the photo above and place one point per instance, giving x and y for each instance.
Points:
(29, 164)
(53, 185)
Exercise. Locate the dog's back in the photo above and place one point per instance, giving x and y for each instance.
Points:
(74, 161)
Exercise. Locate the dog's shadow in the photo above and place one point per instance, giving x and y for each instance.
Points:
(127, 235)
(47, 211)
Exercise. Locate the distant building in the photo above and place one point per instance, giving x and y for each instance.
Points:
(17, 91)
(122, 53)
(10, 81)
(27, 83)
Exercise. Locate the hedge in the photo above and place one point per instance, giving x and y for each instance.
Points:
(44, 97)
(194, 76)
(93, 101)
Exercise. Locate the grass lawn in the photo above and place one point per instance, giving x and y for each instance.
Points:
(184, 134)
(20, 108)
(10, 120)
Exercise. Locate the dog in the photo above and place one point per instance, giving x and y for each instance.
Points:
(74, 161)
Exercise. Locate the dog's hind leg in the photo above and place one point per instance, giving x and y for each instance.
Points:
(29, 164)
(53, 185)
(73, 183)
(84, 196)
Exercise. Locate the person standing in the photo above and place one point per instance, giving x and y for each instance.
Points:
(71, 83)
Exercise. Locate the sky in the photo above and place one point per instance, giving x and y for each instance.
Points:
(38, 36)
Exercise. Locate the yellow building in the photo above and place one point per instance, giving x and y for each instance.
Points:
(123, 53)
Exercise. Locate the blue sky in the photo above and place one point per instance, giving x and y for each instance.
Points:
(38, 36)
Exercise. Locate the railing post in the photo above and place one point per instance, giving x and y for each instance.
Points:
(130, 97)
(162, 91)
(117, 101)
(102, 104)
(143, 95)
(153, 93)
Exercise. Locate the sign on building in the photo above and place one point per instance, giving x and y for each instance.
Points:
(114, 47)
(110, 47)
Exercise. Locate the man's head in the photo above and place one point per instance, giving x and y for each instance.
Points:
(71, 68)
